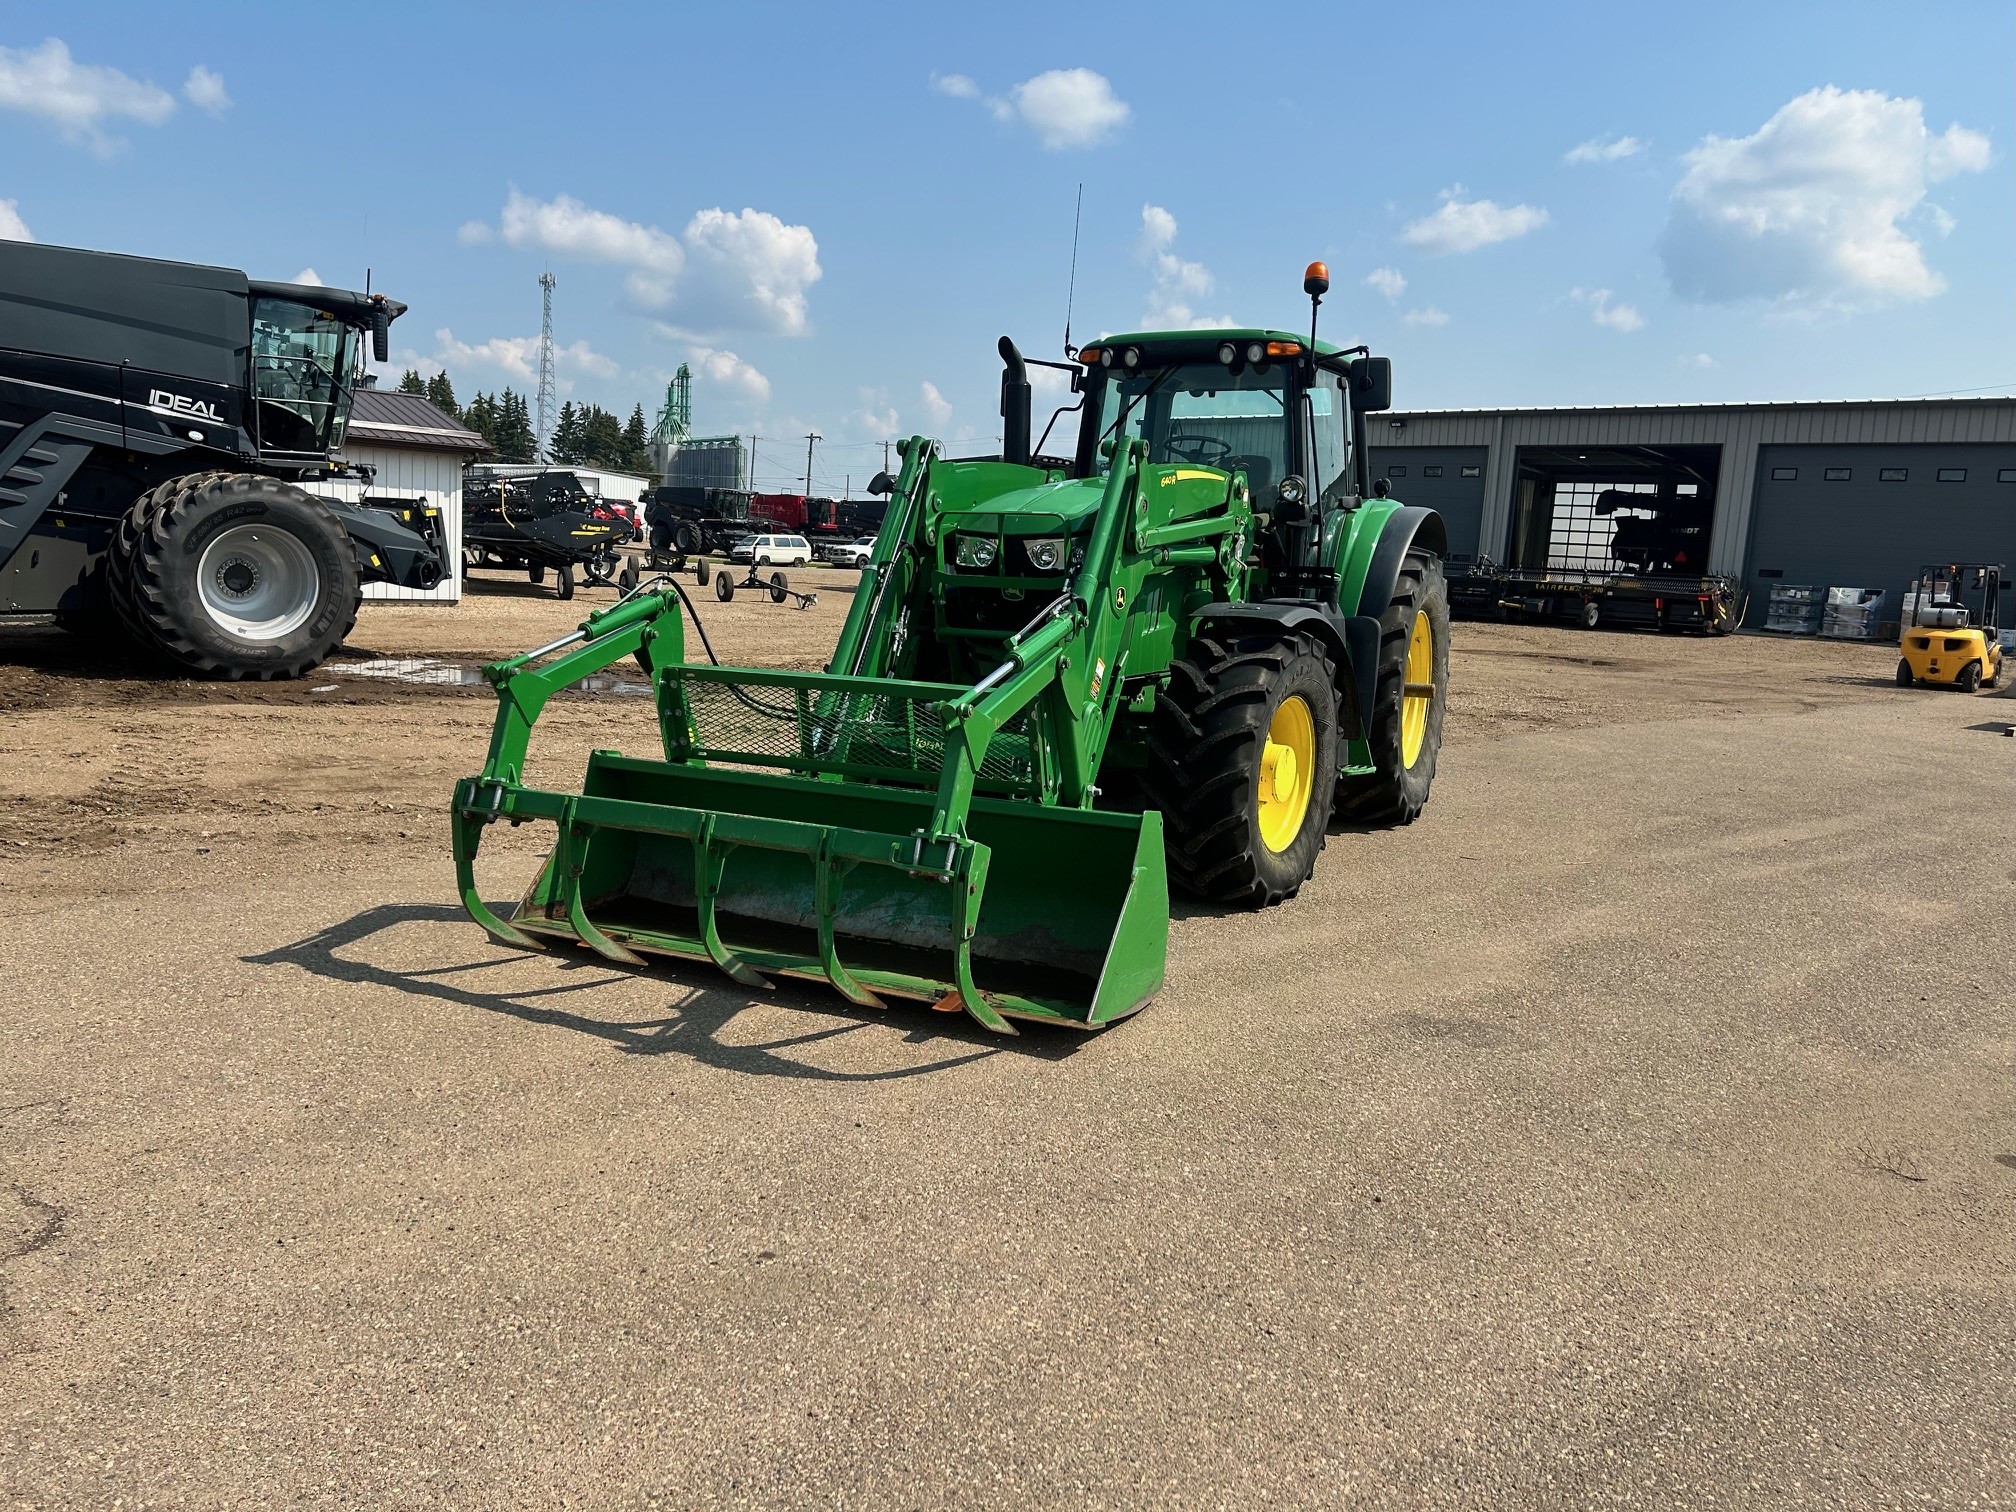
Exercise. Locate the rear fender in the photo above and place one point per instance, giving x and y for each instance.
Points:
(1348, 648)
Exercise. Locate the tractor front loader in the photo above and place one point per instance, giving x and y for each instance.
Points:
(1064, 681)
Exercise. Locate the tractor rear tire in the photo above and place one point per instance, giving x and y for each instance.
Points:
(1208, 765)
(234, 576)
(1397, 790)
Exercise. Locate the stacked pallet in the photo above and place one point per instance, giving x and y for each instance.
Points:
(1853, 613)
(1795, 609)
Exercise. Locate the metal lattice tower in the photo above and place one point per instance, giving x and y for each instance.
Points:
(545, 404)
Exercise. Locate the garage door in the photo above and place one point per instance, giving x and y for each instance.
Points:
(1870, 516)
(1449, 479)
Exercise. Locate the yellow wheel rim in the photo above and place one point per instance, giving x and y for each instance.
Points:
(1418, 695)
(1287, 773)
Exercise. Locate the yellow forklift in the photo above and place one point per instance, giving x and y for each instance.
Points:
(1951, 628)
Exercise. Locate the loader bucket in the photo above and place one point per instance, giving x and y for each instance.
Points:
(1042, 913)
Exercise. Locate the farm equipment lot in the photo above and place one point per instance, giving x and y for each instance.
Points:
(1641, 1137)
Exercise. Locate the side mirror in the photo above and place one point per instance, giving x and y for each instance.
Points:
(381, 333)
(1371, 384)
(881, 483)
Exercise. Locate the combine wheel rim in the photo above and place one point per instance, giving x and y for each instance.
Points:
(258, 582)
(1287, 773)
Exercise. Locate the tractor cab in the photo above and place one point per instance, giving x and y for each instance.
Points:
(308, 351)
(1952, 635)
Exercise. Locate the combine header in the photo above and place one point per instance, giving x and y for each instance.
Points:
(1063, 682)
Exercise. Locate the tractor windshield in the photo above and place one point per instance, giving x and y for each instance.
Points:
(1199, 412)
(304, 365)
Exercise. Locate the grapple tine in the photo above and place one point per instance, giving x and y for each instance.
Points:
(826, 885)
(968, 884)
(707, 865)
(467, 834)
(568, 852)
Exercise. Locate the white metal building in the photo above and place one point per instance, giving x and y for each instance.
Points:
(419, 453)
(1858, 493)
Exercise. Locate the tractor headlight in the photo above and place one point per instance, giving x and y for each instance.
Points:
(1046, 553)
(975, 551)
(1256, 352)
(1132, 357)
(1227, 353)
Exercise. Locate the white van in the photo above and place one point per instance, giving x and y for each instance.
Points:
(772, 551)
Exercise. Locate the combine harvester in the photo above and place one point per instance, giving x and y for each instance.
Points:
(1063, 682)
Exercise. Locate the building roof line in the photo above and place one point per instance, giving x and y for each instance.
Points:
(1757, 404)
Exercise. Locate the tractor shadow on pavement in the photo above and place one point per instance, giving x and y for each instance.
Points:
(695, 1025)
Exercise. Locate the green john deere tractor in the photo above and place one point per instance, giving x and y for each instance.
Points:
(1184, 652)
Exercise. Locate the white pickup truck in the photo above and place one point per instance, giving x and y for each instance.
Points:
(851, 553)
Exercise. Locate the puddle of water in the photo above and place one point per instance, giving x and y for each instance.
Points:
(431, 671)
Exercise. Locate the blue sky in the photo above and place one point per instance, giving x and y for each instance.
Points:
(826, 208)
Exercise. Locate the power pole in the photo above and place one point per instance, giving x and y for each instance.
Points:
(752, 462)
(810, 438)
(885, 456)
(543, 448)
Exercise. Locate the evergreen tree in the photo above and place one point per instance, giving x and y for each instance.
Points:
(441, 394)
(410, 382)
(636, 443)
(567, 435)
(602, 438)
(481, 417)
(515, 440)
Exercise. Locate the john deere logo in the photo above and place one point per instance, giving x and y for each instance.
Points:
(176, 404)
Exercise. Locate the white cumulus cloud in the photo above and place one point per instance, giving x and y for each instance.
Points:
(1460, 225)
(12, 227)
(204, 89)
(517, 357)
(1388, 281)
(1805, 211)
(567, 226)
(308, 275)
(1607, 310)
(724, 370)
(1178, 281)
(1597, 150)
(752, 261)
(1428, 315)
(79, 99)
(957, 85)
(1065, 107)
(729, 270)
(474, 233)
(877, 419)
(1697, 360)
(936, 405)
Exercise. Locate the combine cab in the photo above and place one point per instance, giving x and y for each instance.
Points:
(1179, 655)
(157, 421)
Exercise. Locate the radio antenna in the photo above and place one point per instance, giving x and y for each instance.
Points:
(1071, 295)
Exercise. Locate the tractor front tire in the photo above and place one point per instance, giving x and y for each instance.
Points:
(234, 576)
(1404, 724)
(1242, 763)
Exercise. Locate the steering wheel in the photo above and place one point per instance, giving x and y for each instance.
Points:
(1200, 450)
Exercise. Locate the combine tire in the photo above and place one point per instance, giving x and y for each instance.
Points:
(1405, 722)
(234, 575)
(1242, 763)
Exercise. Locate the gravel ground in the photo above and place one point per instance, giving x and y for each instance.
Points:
(1632, 1130)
